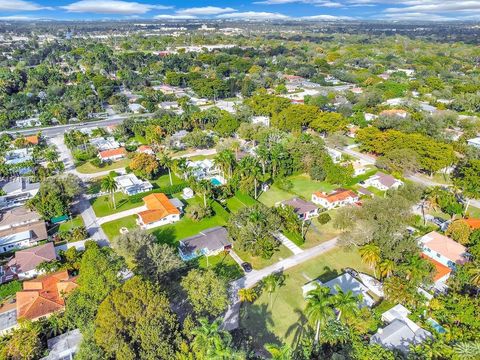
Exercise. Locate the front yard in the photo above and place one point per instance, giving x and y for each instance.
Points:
(76, 221)
(284, 320)
(103, 206)
(88, 168)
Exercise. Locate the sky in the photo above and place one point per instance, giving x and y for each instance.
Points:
(417, 10)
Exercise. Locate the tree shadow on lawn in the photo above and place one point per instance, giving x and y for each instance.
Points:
(328, 274)
(166, 235)
(299, 329)
(256, 318)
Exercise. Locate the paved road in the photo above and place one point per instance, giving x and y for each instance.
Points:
(53, 131)
(231, 318)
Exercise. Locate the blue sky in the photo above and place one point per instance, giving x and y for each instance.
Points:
(421, 10)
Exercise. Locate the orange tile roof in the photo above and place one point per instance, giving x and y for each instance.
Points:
(393, 112)
(44, 295)
(143, 148)
(159, 206)
(114, 152)
(32, 139)
(337, 195)
(473, 223)
(445, 246)
(440, 269)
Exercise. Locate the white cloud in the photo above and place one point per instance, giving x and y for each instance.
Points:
(174, 17)
(435, 6)
(327, 17)
(253, 15)
(21, 5)
(318, 3)
(419, 16)
(206, 10)
(17, 18)
(111, 7)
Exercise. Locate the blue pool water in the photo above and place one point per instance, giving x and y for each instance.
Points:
(215, 182)
(438, 328)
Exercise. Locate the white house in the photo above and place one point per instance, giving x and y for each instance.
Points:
(145, 149)
(263, 120)
(103, 144)
(305, 210)
(28, 123)
(25, 262)
(443, 249)
(475, 142)
(334, 154)
(112, 155)
(129, 184)
(160, 210)
(383, 181)
(17, 192)
(136, 108)
(337, 198)
(208, 242)
(202, 169)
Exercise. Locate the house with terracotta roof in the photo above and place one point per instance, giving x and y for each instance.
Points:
(25, 262)
(443, 249)
(113, 154)
(473, 223)
(145, 149)
(33, 139)
(337, 198)
(44, 295)
(383, 181)
(160, 211)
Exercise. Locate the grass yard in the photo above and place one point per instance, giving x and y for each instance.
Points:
(284, 320)
(112, 228)
(223, 265)
(88, 168)
(77, 221)
(474, 212)
(164, 181)
(303, 186)
(102, 205)
(240, 200)
(258, 262)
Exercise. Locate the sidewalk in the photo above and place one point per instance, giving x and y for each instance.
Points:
(294, 248)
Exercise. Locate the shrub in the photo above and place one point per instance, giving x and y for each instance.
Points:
(324, 218)
(97, 162)
(9, 289)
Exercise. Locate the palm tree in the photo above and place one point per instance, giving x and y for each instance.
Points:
(475, 275)
(247, 294)
(263, 155)
(179, 167)
(249, 169)
(167, 162)
(204, 186)
(207, 336)
(109, 185)
(283, 352)
(225, 160)
(276, 157)
(318, 309)
(370, 254)
(271, 283)
(386, 268)
(345, 302)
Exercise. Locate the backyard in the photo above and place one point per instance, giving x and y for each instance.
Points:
(76, 221)
(284, 319)
(88, 168)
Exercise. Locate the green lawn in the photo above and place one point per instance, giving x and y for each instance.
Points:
(102, 205)
(77, 221)
(258, 262)
(285, 320)
(88, 168)
(223, 265)
(303, 186)
(171, 234)
(240, 200)
(164, 181)
(473, 212)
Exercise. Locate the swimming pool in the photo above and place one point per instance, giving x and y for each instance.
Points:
(215, 182)
(438, 328)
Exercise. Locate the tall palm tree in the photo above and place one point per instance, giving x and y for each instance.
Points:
(263, 156)
(208, 337)
(109, 185)
(225, 161)
(319, 308)
(345, 302)
(204, 187)
(180, 168)
(475, 275)
(247, 294)
(386, 267)
(279, 352)
(370, 254)
(249, 169)
(271, 283)
(167, 162)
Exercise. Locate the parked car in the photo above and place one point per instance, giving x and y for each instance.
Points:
(352, 272)
(247, 267)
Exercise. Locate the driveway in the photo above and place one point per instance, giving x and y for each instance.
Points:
(231, 319)
(122, 214)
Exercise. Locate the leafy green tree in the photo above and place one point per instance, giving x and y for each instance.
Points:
(459, 231)
(206, 292)
(329, 122)
(24, 343)
(135, 322)
(283, 352)
(145, 165)
(466, 178)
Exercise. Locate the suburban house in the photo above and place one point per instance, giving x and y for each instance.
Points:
(202, 169)
(334, 154)
(401, 332)
(32, 140)
(475, 142)
(473, 223)
(443, 249)
(305, 210)
(337, 198)
(28, 123)
(102, 144)
(20, 228)
(262, 120)
(17, 192)
(130, 184)
(112, 155)
(23, 264)
(176, 140)
(18, 156)
(208, 242)
(394, 113)
(136, 108)
(145, 149)
(65, 346)
(44, 295)
(383, 181)
(346, 282)
(359, 167)
(160, 211)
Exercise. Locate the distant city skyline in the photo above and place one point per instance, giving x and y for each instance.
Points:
(406, 10)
